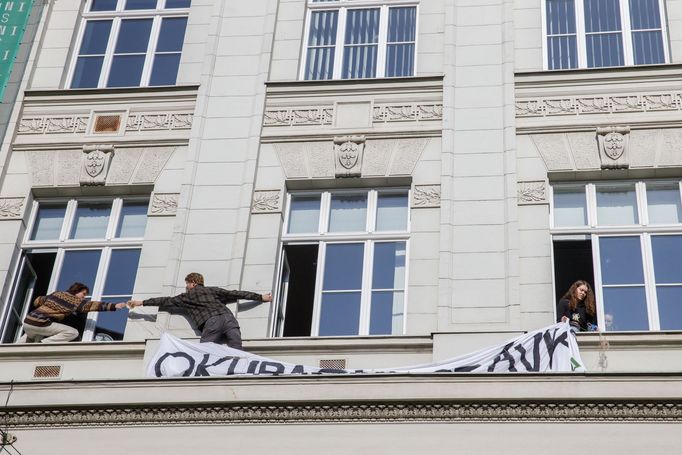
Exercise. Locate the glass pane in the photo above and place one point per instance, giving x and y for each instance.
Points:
(86, 74)
(616, 206)
(386, 315)
(664, 205)
(120, 278)
(670, 307)
(304, 214)
(667, 252)
(343, 266)
(391, 212)
(48, 222)
(321, 41)
(165, 69)
(348, 213)
(133, 37)
(133, 219)
(402, 24)
(621, 260)
(361, 38)
(103, 5)
(389, 265)
(178, 3)
(140, 4)
(111, 325)
(570, 207)
(340, 314)
(604, 49)
(172, 34)
(126, 71)
(359, 62)
(625, 309)
(95, 37)
(562, 52)
(644, 14)
(79, 265)
(399, 60)
(319, 63)
(648, 47)
(602, 15)
(560, 17)
(91, 221)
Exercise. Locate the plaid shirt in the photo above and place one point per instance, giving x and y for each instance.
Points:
(200, 303)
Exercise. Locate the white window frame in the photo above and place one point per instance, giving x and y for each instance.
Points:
(643, 229)
(626, 33)
(157, 15)
(369, 238)
(342, 6)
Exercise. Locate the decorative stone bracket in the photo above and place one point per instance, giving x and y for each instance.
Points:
(426, 196)
(96, 161)
(531, 193)
(348, 152)
(11, 208)
(267, 201)
(613, 146)
(164, 204)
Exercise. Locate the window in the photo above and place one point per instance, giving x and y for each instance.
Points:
(603, 33)
(130, 43)
(343, 267)
(346, 40)
(627, 238)
(94, 241)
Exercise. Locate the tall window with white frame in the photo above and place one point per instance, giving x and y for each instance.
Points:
(628, 236)
(93, 241)
(346, 40)
(603, 33)
(343, 263)
(130, 43)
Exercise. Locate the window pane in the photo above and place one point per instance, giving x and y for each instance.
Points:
(348, 213)
(605, 49)
(120, 278)
(399, 60)
(178, 3)
(91, 221)
(386, 315)
(140, 4)
(670, 307)
(562, 52)
(561, 34)
(340, 314)
(165, 69)
(304, 214)
(401, 29)
(86, 74)
(126, 71)
(133, 36)
(362, 37)
(133, 219)
(321, 41)
(391, 212)
(602, 16)
(664, 205)
(667, 252)
(48, 222)
(560, 17)
(625, 309)
(644, 14)
(402, 24)
(621, 260)
(172, 34)
(95, 37)
(79, 265)
(389, 265)
(103, 5)
(343, 266)
(616, 206)
(648, 47)
(570, 208)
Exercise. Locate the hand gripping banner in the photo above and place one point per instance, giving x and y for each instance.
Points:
(551, 349)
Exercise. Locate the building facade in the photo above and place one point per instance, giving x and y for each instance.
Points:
(412, 179)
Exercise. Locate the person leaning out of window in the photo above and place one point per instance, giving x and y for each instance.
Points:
(42, 321)
(578, 308)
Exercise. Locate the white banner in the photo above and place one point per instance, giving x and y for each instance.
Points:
(551, 349)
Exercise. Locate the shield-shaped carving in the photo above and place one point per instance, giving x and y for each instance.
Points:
(94, 163)
(614, 145)
(348, 154)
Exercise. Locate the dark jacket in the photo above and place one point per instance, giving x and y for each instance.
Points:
(201, 303)
(578, 318)
(58, 305)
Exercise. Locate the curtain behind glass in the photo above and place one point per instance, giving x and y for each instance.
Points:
(321, 41)
(647, 34)
(361, 44)
(562, 50)
(603, 37)
(402, 24)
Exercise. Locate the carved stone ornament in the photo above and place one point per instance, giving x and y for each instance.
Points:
(10, 208)
(164, 204)
(426, 196)
(96, 161)
(267, 201)
(530, 193)
(348, 153)
(613, 147)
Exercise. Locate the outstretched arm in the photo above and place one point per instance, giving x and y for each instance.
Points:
(231, 296)
(168, 304)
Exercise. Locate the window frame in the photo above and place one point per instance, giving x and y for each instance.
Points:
(116, 16)
(626, 34)
(369, 238)
(643, 230)
(342, 6)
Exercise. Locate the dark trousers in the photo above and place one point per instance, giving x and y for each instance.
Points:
(222, 329)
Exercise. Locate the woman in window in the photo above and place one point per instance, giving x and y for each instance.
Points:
(578, 308)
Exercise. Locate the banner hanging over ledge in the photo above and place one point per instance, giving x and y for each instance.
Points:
(551, 349)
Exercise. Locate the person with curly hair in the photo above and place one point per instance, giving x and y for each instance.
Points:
(578, 308)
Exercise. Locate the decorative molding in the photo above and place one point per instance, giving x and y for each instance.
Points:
(58, 124)
(348, 153)
(267, 201)
(96, 160)
(163, 204)
(531, 193)
(348, 412)
(601, 104)
(426, 196)
(613, 147)
(159, 122)
(414, 112)
(299, 116)
(11, 207)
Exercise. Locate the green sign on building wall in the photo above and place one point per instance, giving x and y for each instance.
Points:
(13, 19)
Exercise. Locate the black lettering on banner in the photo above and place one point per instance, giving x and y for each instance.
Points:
(251, 369)
(537, 338)
(465, 369)
(233, 365)
(504, 356)
(186, 373)
(330, 370)
(298, 369)
(278, 368)
(203, 365)
(552, 341)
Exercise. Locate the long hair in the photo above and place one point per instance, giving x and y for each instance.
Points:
(77, 287)
(570, 295)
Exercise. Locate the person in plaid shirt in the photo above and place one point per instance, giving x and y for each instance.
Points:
(205, 306)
